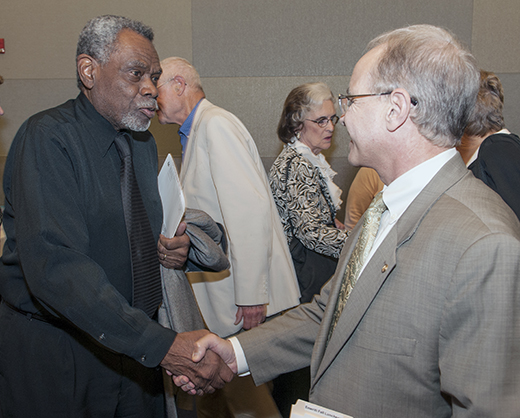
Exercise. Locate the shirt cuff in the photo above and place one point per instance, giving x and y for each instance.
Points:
(242, 366)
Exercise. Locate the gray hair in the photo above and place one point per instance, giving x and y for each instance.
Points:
(98, 38)
(300, 101)
(181, 66)
(437, 71)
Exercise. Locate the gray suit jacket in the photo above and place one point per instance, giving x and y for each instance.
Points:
(432, 327)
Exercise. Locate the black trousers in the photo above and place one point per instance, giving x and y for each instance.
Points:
(46, 371)
(289, 387)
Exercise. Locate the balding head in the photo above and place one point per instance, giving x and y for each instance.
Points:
(437, 71)
(180, 90)
(176, 66)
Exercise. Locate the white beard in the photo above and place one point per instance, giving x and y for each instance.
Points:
(134, 123)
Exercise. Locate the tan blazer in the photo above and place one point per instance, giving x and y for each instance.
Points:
(432, 327)
(222, 174)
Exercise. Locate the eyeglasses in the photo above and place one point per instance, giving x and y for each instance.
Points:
(166, 82)
(323, 121)
(169, 81)
(346, 100)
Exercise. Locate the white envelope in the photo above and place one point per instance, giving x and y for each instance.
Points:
(303, 409)
(172, 197)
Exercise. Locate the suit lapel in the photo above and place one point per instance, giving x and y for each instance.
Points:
(379, 268)
(372, 278)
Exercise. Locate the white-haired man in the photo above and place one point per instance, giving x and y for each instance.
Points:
(223, 175)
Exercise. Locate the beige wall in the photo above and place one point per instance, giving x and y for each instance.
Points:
(250, 53)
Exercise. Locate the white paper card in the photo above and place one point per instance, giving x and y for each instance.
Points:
(304, 409)
(171, 196)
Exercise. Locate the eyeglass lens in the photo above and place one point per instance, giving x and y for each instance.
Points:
(323, 122)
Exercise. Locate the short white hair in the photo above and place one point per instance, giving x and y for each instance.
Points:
(181, 66)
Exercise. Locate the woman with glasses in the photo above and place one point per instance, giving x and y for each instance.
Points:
(307, 200)
(302, 184)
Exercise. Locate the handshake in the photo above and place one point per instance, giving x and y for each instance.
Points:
(200, 362)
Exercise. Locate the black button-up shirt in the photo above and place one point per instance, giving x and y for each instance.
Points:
(67, 248)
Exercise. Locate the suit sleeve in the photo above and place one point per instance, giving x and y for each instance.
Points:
(285, 343)
(244, 201)
(479, 341)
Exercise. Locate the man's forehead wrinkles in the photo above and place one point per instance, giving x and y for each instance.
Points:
(137, 63)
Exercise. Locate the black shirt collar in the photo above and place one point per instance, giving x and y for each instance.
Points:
(100, 129)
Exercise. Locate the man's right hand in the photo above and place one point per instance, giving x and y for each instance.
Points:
(251, 315)
(209, 344)
(205, 375)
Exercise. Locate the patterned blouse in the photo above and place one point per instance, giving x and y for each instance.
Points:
(304, 203)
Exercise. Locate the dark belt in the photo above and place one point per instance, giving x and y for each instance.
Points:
(49, 319)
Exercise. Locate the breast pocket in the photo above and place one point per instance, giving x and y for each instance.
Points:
(385, 344)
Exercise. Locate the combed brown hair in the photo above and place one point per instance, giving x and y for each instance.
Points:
(487, 115)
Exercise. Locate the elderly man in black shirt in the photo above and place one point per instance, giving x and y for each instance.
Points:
(77, 333)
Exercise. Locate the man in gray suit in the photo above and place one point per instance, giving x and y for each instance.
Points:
(432, 325)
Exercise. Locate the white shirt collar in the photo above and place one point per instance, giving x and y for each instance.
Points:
(399, 194)
(403, 190)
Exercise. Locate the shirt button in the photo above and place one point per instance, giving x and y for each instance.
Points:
(102, 337)
(385, 268)
(143, 358)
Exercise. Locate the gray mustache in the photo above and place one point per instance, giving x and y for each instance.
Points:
(152, 103)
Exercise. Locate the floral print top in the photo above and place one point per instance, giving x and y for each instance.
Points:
(304, 203)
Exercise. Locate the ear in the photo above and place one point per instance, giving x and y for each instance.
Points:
(87, 70)
(298, 129)
(399, 110)
(180, 84)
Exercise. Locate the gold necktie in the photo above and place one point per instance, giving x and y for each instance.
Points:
(359, 255)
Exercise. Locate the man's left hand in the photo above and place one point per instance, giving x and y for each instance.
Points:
(252, 315)
(173, 252)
